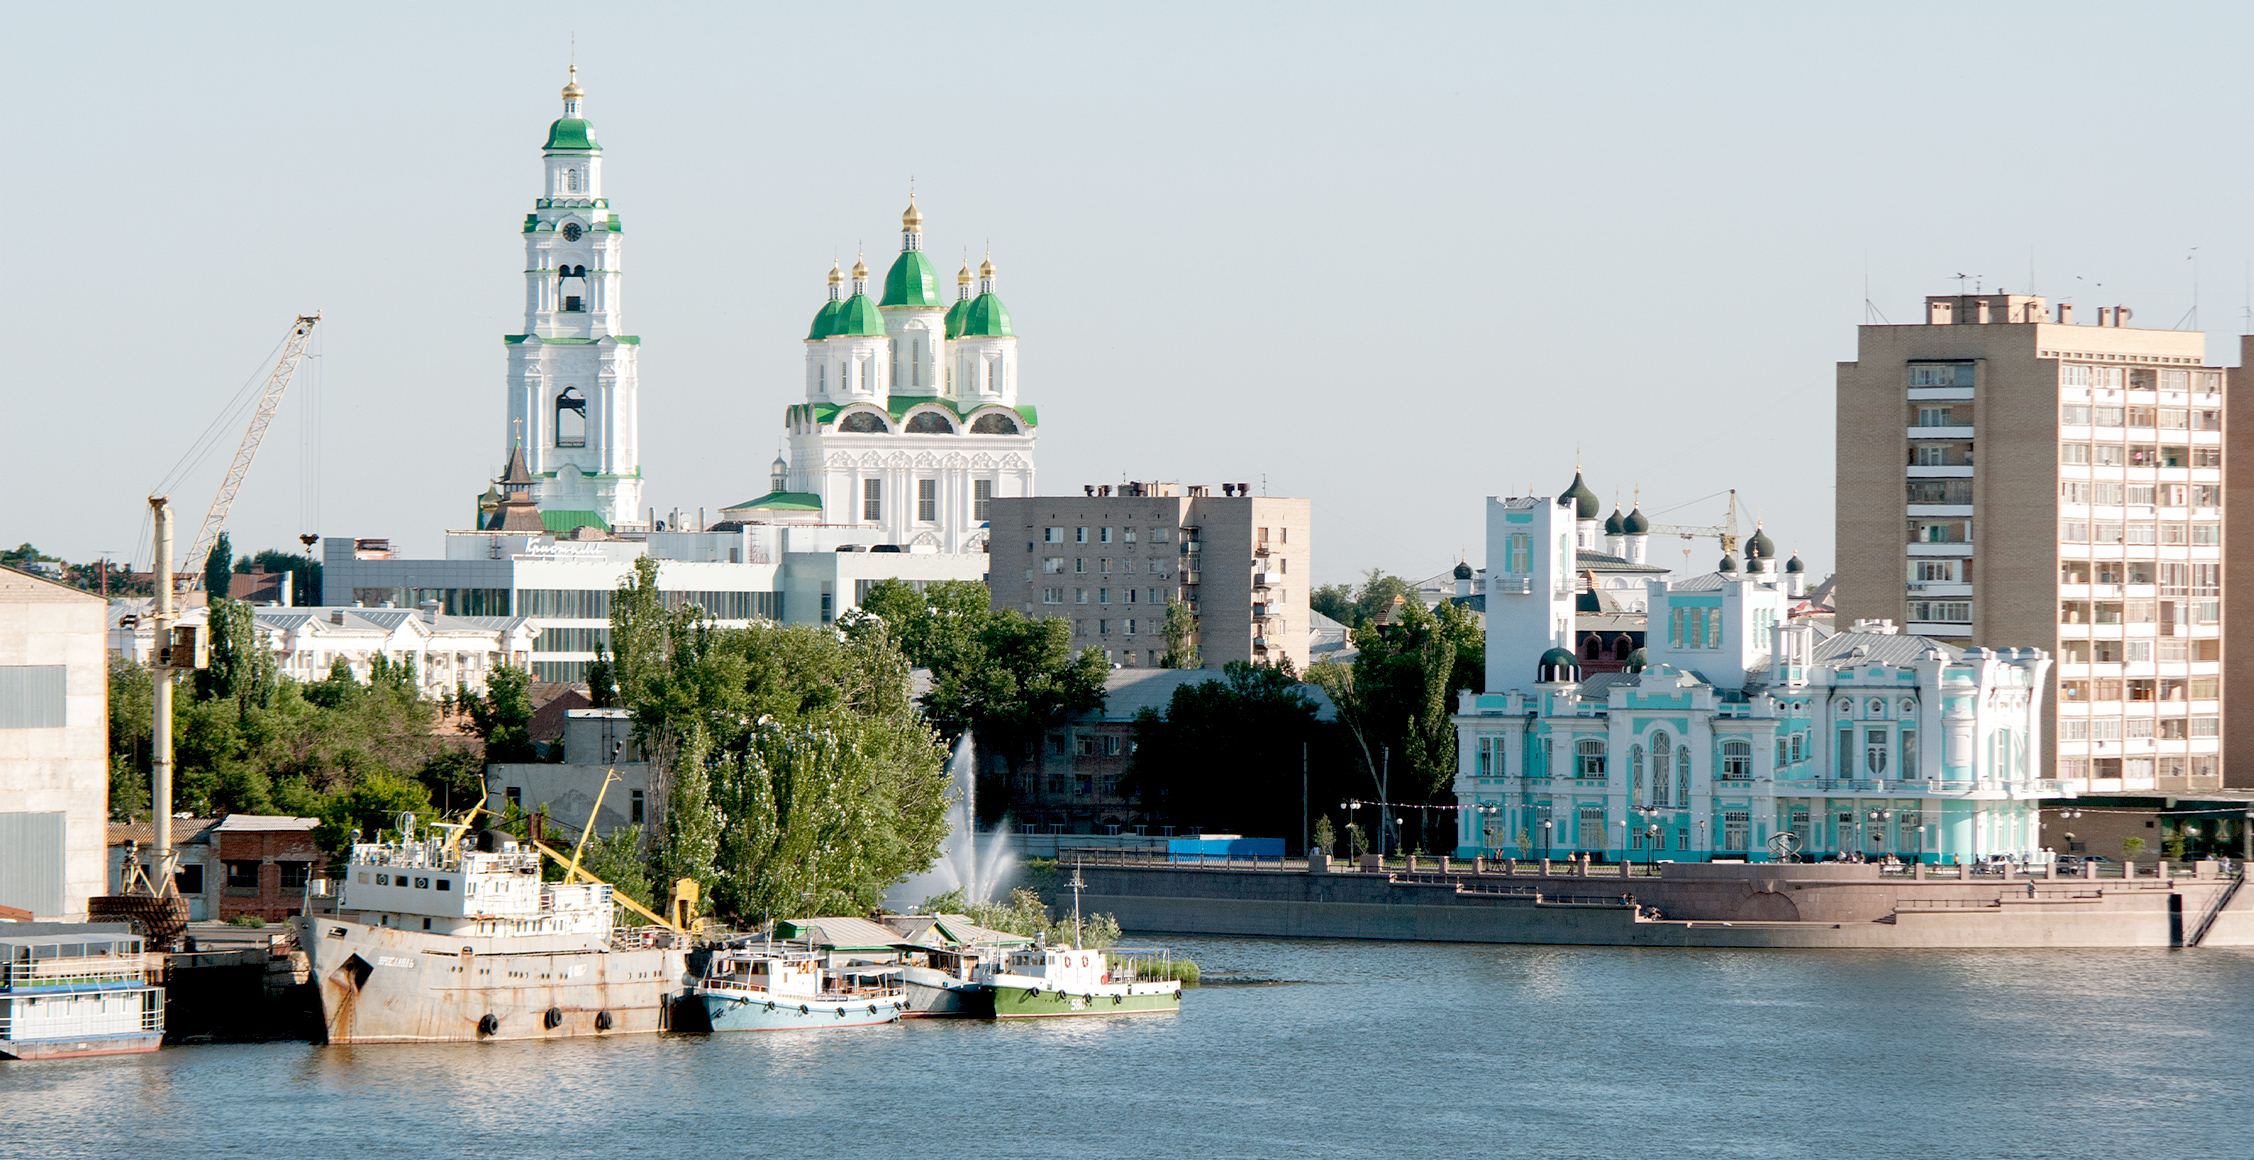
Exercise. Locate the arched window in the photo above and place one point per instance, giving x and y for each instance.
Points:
(1621, 648)
(1737, 760)
(571, 419)
(571, 180)
(1635, 773)
(1661, 775)
(1590, 755)
(1591, 648)
(862, 423)
(993, 425)
(571, 288)
(990, 375)
(1682, 776)
(930, 423)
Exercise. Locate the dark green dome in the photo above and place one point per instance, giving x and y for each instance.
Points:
(1463, 570)
(1636, 524)
(1614, 525)
(1760, 545)
(1637, 661)
(857, 317)
(986, 317)
(1584, 500)
(825, 321)
(1729, 561)
(912, 282)
(1558, 665)
(1794, 564)
(955, 315)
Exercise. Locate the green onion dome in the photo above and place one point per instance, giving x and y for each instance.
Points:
(985, 317)
(857, 317)
(1584, 500)
(1760, 545)
(1614, 525)
(1558, 665)
(1637, 661)
(912, 282)
(825, 321)
(1636, 524)
(1794, 564)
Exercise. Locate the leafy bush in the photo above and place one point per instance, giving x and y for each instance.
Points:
(250, 920)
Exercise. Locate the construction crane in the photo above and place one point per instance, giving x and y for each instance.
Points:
(1725, 531)
(293, 352)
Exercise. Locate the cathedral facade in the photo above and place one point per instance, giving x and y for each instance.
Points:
(912, 423)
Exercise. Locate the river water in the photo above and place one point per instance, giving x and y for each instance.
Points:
(1361, 1049)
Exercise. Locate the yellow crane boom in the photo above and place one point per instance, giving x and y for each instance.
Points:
(293, 352)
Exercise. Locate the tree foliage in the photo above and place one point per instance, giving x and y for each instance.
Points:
(1235, 754)
(934, 626)
(217, 567)
(1356, 606)
(1010, 683)
(1396, 701)
(1179, 628)
(502, 715)
(796, 771)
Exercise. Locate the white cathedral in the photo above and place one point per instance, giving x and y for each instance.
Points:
(574, 404)
(911, 422)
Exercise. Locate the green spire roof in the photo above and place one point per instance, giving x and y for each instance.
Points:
(955, 315)
(825, 321)
(572, 135)
(912, 282)
(986, 318)
(857, 317)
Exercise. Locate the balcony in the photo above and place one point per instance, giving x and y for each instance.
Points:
(1191, 547)
(1189, 579)
(1930, 433)
(1265, 580)
(1260, 550)
(1261, 612)
(1945, 471)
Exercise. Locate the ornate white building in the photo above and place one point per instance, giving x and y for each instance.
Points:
(911, 423)
(574, 399)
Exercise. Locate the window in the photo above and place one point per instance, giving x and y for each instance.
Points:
(1661, 774)
(1518, 554)
(1079, 596)
(862, 423)
(1929, 455)
(927, 422)
(872, 499)
(1936, 570)
(1737, 760)
(242, 875)
(981, 498)
(1084, 746)
(1052, 565)
(927, 500)
(1079, 535)
(1942, 375)
(635, 808)
(1052, 535)
(1111, 745)
(1933, 417)
(1589, 754)
(31, 696)
(1103, 535)
(295, 874)
(1052, 596)
(1736, 829)
(571, 419)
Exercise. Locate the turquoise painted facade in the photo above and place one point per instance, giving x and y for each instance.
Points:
(1743, 725)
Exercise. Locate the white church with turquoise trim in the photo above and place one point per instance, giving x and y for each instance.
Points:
(1736, 733)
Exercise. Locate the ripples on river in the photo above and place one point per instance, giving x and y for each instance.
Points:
(1375, 1049)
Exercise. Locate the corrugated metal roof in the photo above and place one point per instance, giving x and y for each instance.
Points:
(840, 933)
(962, 931)
(1883, 648)
(258, 823)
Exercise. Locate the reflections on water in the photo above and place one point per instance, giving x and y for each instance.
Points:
(1403, 1050)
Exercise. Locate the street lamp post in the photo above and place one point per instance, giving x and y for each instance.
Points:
(1546, 823)
(1879, 819)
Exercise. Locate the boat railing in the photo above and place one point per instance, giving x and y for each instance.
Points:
(83, 1022)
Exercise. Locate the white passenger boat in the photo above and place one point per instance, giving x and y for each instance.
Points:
(431, 941)
(777, 987)
(940, 954)
(72, 989)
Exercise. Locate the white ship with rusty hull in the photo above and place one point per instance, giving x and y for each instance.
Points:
(431, 942)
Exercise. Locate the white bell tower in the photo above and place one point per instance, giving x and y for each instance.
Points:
(574, 395)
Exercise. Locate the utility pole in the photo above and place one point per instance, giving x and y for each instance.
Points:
(1385, 798)
(1306, 836)
(160, 688)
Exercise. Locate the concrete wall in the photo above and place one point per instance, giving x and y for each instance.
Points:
(568, 791)
(60, 768)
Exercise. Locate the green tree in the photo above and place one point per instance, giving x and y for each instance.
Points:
(216, 568)
(1325, 835)
(1229, 754)
(1335, 601)
(132, 708)
(305, 573)
(602, 683)
(1396, 701)
(1355, 607)
(1179, 629)
(1009, 684)
(241, 667)
(933, 625)
(502, 715)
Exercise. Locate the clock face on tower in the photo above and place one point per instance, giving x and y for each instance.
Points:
(571, 231)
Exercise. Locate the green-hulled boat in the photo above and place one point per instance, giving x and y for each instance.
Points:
(1044, 982)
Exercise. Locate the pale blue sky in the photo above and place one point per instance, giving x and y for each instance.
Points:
(1394, 258)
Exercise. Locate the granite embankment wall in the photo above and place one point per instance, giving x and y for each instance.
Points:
(1711, 905)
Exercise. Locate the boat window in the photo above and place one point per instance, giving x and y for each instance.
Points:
(446, 884)
(422, 883)
(383, 879)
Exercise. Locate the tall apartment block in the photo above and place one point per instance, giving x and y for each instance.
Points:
(2008, 478)
(1111, 559)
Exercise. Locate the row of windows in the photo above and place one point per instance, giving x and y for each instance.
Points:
(2136, 455)
(1689, 628)
(1941, 611)
(2158, 418)
(2114, 652)
(2138, 378)
(2104, 493)
(927, 499)
(1103, 595)
(1054, 565)
(2130, 728)
(2174, 577)
(2164, 690)
(451, 601)
(243, 875)
(2168, 612)
(594, 604)
(2135, 770)
(571, 640)
(2200, 534)
(1127, 627)
(1104, 535)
